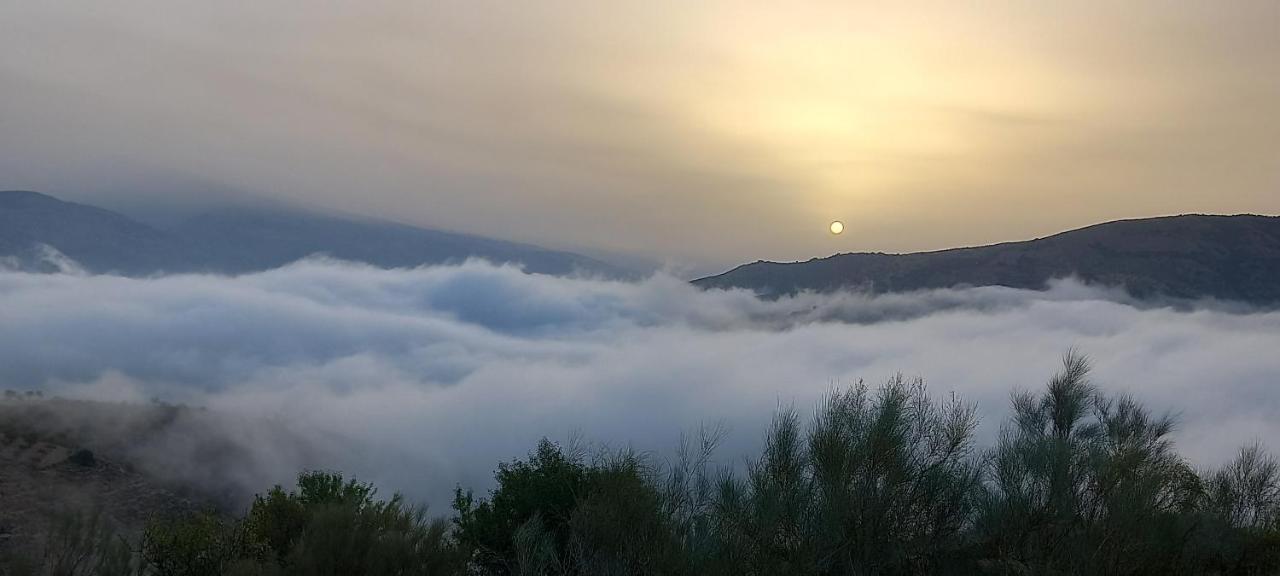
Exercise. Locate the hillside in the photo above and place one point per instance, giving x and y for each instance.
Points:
(1225, 257)
(97, 239)
(59, 463)
(241, 240)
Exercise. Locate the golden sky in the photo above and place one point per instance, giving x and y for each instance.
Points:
(699, 132)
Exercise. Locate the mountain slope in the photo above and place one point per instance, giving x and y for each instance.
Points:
(97, 239)
(1193, 256)
(241, 240)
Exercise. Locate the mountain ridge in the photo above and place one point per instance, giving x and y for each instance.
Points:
(1234, 257)
(240, 240)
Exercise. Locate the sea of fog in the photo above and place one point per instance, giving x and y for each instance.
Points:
(423, 379)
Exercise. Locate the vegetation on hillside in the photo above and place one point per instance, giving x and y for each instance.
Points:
(885, 481)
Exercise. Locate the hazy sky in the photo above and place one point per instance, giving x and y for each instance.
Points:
(707, 132)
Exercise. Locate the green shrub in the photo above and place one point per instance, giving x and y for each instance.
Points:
(332, 526)
(884, 484)
(547, 485)
(203, 544)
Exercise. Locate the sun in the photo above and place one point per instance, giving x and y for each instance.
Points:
(837, 227)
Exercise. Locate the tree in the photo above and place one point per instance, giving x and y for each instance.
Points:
(547, 486)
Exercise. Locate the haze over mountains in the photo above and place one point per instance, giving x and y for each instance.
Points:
(1192, 256)
(238, 240)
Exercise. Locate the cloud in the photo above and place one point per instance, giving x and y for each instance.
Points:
(421, 379)
(41, 258)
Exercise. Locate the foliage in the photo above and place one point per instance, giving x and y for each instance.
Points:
(1078, 483)
(327, 526)
(204, 544)
(332, 526)
(547, 485)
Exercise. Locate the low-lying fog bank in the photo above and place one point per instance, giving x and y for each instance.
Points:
(422, 379)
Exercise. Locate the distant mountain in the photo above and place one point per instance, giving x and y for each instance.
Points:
(1225, 257)
(94, 238)
(242, 240)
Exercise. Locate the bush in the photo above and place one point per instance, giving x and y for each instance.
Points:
(83, 457)
(204, 544)
(332, 526)
(84, 543)
(327, 526)
(876, 485)
(1079, 483)
(547, 486)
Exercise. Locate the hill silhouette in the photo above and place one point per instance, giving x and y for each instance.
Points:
(1192, 256)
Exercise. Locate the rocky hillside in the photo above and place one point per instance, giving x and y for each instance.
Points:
(52, 484)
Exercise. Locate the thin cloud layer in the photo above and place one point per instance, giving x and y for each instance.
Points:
(421, 379)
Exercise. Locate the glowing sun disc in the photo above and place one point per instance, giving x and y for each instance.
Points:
(837, 227)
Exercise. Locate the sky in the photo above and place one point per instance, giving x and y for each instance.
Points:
(708, 133)
(424, 379)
